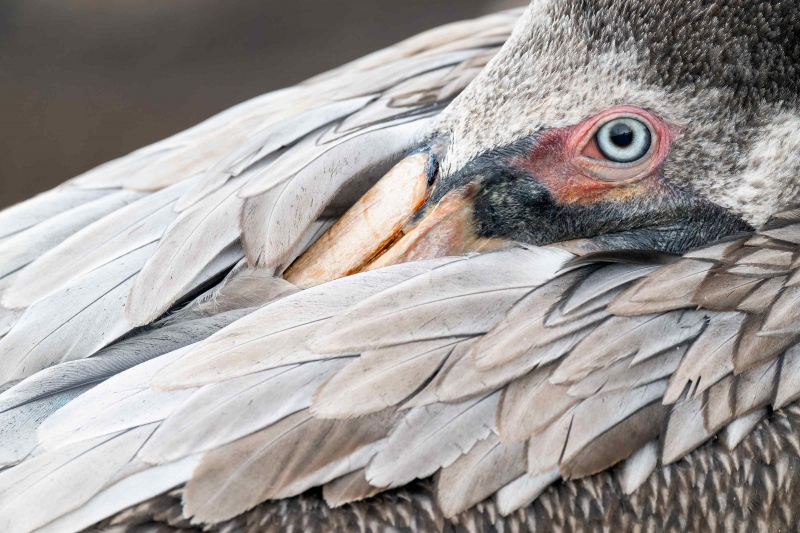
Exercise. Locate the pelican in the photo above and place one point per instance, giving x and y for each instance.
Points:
(535, 271)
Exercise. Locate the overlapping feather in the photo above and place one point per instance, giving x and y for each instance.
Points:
(498, 374)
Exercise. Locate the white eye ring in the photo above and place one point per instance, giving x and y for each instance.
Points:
(624, 140)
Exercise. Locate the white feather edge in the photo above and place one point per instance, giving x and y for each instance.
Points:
(431, 437)
(223, 412)
(46, 205)
(276, 334)
(190, 243)
(26, 246)
(523, 491)
(130, 491)
(119, 403)
(635, 470)
(270, 139)
(120, 232)
(70, 482)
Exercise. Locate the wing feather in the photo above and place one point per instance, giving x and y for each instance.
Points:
(523, 491)
(788, 389)
(486, 468)
(123, 494)
(122, 231)
(240, 475)
(72, 479)
(24, 247)
(306, 191)
(529, 404)
(44, 206)
(19, 426)
(221, 413)
(380, 379)
(267, 141)
(74, 322)
(430, 438)
(349, 488)
(709, 359)
(114, 359)
(463, 298)
(118, 404)
(736, 431)
(635, 470)
(191, 243)
(277, 334)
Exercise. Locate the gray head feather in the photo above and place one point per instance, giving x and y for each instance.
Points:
(726, 72)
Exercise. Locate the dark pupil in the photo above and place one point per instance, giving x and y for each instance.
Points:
(621, 135)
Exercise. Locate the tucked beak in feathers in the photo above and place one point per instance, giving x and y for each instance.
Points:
(590, 186)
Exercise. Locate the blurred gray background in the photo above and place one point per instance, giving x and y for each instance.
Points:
(84, 81)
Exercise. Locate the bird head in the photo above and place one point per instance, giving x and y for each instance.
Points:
(622, 124)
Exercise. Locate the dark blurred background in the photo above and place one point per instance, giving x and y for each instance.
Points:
(84, 81)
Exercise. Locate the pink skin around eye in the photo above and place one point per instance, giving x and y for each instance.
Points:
(567, 161)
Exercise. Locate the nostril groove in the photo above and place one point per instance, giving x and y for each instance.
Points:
(432, 168)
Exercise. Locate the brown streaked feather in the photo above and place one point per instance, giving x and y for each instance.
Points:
(789, 233)
(788, 389)
(628, 374)
(718, 251)
(234, 478)
(546, 448)
(599, 415)
(431, 437)
(616, 444)
(463, 379)
(463, 298)
(604, 280)
(684, 431)
(771, 257)
(761, 298)
(720, 404)
(671, 287)
(754, 348)
(724, 291)
(621, 337)
(783, 316)
(349, 488)
(485, 469)
(709, 359)
(529, 404)
(380, 379)
(756, 387)
(524, 327)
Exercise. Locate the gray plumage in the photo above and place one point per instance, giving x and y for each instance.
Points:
(169, 376)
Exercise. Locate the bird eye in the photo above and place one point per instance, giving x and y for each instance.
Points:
(623, 140)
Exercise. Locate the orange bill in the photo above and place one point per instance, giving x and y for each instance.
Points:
(368, 227)
(381, 229)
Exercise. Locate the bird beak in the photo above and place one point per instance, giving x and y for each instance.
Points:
(387, 226)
